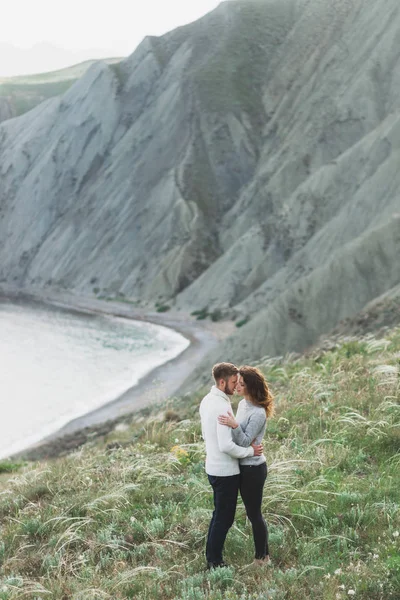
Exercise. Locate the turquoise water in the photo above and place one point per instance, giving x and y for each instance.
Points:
(56, 366)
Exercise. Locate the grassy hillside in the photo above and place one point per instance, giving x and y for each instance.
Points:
(126, 516)
(27, 91)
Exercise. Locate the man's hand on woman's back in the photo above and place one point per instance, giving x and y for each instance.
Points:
(258, 449)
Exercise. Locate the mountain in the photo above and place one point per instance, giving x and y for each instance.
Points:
(20, 94)
(246, 163)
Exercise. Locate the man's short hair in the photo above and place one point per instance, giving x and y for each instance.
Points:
(224, 370)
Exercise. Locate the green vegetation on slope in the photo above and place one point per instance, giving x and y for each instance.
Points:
(26, 96)
(127, 517)
(26, 92)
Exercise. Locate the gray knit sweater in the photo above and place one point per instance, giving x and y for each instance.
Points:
(252, 424)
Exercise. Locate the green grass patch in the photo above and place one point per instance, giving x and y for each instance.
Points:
(9, 466)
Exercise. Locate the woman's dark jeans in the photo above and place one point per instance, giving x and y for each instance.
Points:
(252, 480)
(225, 498)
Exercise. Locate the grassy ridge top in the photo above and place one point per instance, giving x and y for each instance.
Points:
(127, 517)
(27, 91)
(72, 72)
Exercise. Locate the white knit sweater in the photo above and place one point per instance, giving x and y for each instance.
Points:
(222, 453)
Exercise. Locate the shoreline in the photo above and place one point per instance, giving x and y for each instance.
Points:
(157, 385)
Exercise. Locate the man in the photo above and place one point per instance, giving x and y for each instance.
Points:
(222, 459)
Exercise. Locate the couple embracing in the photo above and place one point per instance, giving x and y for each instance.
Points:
(234, 454)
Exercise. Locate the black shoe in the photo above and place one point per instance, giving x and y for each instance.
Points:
(213, 565)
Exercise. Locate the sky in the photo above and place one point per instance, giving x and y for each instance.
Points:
(81, 29)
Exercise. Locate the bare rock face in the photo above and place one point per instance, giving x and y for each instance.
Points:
(247, 162)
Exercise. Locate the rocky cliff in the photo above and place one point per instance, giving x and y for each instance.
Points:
(247, 163)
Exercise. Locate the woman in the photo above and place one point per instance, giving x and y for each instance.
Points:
(249, 425)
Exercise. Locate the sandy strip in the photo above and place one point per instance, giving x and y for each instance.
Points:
(159, 384)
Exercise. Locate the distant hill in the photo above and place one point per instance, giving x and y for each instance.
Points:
(20, 94)
(245, 165)
(43, 57)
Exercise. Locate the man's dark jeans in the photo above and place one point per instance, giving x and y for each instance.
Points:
(225, 499)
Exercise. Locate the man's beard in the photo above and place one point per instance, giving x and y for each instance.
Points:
(229, 389)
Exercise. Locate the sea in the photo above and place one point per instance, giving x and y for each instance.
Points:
(56, 366)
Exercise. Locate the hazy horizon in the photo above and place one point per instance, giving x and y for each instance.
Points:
(36, 60)
(50, 38)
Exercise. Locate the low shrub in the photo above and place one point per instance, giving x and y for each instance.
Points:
(242, 322)
(200, 314)
(163, 308)
(216, 315)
